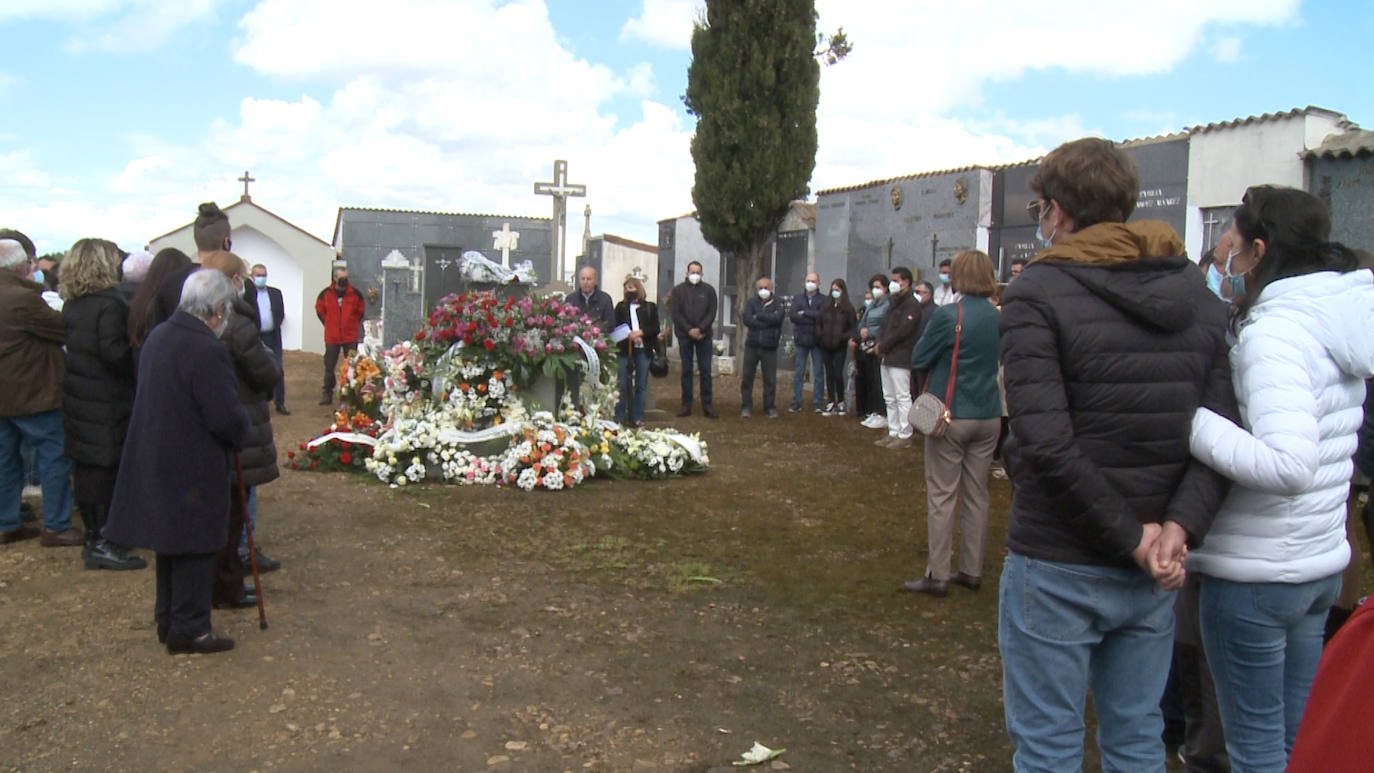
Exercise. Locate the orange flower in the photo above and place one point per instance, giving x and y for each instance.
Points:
(497, 375)
(482, 388)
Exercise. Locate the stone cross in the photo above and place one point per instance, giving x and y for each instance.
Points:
(443, 263)
(1209, 231)
(560, 189)
(245, 179)
(505, 240)
(417, 270)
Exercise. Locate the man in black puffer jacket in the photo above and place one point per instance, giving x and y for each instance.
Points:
(256, 368)
(1110, 342)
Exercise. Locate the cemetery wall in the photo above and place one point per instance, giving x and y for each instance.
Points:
(1347, 185)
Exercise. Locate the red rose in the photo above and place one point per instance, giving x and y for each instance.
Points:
(489, 344)
(290, 454)
(346, 457)
(302, 447)
(420, 335)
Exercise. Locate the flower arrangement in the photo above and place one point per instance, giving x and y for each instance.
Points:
(453, 405)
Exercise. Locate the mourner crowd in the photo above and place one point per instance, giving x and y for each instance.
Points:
(137, 387)
(1179, 444)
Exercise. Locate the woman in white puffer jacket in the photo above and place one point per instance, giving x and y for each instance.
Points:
(1271, 563)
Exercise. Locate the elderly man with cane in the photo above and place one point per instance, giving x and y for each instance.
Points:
(170, 495)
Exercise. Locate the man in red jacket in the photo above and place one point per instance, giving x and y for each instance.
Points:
(340, 307)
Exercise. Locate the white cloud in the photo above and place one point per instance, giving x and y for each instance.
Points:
(1227, 49)
(666, 23)
(112, 25)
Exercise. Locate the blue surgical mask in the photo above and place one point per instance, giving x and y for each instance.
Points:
(868, 302)
(944, 278)
(836, 294)
(1045, 241)
(259, 282)
(38, 275)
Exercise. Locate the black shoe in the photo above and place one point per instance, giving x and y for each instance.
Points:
(967, 580)
(204, 644)
(709, 412)
(282, 410)
(26, 513)
(265, 564)
(686, 410)
(328, 399)
(247, 600)
(934, 587)
(162, 634)
(104, 554)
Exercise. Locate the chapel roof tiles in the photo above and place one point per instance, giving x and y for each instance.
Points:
(1347, 145)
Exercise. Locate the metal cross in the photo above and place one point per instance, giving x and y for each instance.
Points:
(443, 263)
(560, 189)
(245, 179)
(505, 240)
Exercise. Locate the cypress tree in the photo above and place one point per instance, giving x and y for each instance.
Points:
(753, 86)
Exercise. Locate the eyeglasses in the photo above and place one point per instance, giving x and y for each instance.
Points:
(1037, 208)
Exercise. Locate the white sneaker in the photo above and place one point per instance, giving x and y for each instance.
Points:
(874, 421)
(829, 410)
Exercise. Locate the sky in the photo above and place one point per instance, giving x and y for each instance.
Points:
(123, 115)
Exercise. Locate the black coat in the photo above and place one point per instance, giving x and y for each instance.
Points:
(764, 321)
(98, 388)
(274, 300)
(897, 332)
(836, 327)
(258, 374)
(170, 495)
(806, 317)
(648, 322)
(1104, 367)
(693, 306)
(599, 307)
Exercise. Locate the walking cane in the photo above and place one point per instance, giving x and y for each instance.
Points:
(252, 551)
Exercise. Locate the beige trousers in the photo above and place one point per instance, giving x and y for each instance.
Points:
(957, 466)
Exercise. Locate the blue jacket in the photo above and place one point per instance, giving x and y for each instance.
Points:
(764, 322)
(871, 317)
(806, 315)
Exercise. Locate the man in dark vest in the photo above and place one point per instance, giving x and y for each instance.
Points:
(271, 313)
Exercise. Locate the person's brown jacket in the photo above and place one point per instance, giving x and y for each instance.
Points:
(31, 337)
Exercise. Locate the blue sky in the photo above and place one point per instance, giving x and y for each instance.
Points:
(126, 113)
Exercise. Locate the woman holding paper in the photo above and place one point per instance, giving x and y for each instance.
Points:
(636, 331)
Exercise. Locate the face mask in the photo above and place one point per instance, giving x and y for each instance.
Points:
(878, 293)
(694, 278)
(811, 287)
(765, 293)
(944, 279)
(630, 296)
(38, 275)
(1045, 241)
(341, 283)
(836, 294)
(259, 282)
(868, 302)
(894, 287)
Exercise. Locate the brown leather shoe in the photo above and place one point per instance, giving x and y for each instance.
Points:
(937, 588)
(710, 412)
(26, 531)
(686, 410)
(61, 539)
(967, 580)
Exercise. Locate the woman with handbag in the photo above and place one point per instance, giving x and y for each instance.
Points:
(959, 353)
(640, 317)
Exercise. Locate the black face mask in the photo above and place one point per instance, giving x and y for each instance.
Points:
(341, 283)
(631, 297)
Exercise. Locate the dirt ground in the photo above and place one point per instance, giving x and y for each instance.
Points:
(619, 626)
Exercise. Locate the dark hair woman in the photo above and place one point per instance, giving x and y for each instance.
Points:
(1271, 565)
(956, 464)
(639, 316)
(868, 382)
(836, 325)
(97, 391)
(144, 312)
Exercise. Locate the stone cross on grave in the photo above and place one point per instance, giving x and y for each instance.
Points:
(417, 270)
(505, 240)
(560, 189)
(245, 179)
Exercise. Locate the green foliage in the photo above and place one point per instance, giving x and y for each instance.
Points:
(753, 85)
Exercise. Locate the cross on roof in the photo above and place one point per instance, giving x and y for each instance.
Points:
(245, 179)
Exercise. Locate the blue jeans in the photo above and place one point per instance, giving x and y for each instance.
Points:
(1065, 628)
(1263, 641)
(701, 352)
(44, 432)
(804, 353)
(640, 358)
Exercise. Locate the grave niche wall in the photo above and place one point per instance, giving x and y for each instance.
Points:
(860, 232)
(365, 236)
(1347, 186)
